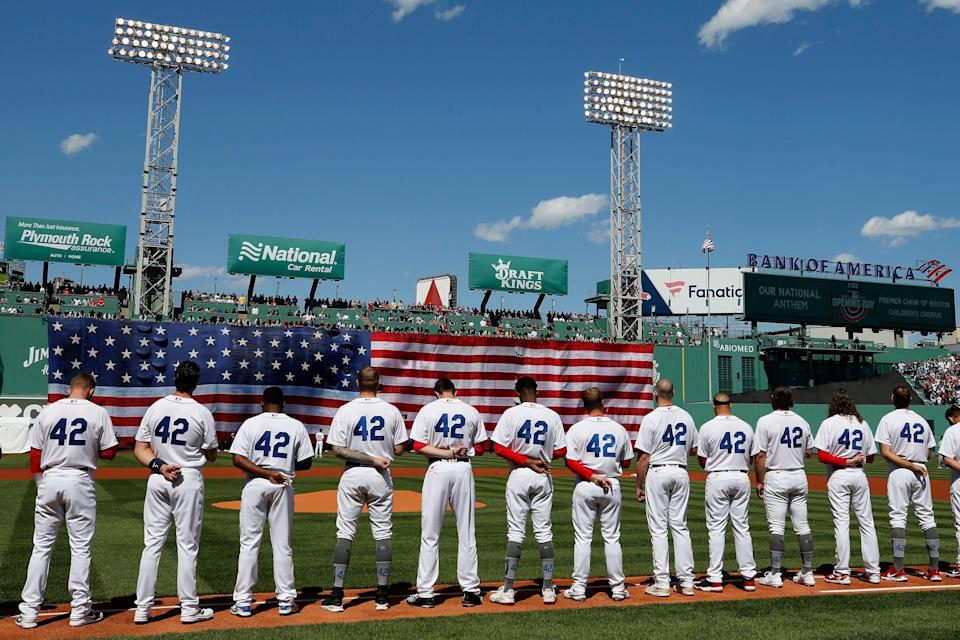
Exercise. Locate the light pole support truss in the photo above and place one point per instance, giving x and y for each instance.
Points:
(625, 311)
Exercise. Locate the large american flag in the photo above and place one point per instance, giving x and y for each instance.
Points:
(134, 363)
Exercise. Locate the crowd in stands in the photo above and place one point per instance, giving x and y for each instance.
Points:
(198, 296)
(277, 301)
(335, 303)
(937, 380)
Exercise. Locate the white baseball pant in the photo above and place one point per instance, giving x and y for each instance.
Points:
(728, 498)
(904, 489)
(263, 501)
(529, 493)
(848, 489)
(447, 482)
(667, 492)
(63, 496)
(359, 486)
(955, 507)
(181, 504)
(786, 492)
(589, 502)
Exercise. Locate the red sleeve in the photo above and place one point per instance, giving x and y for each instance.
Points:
(109, 454)
(509, 454)
(560, 453)
(35, 461)
(480, 447)
(826, 458)
(579, 468)
(625, 464)
(417, 445)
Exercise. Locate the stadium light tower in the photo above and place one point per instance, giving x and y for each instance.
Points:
(627, 105)
(169, 52)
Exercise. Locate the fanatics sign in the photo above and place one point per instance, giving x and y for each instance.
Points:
(285, 257)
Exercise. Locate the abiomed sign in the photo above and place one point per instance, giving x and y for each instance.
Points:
(285, 257)
(490, 271)
(65, 241)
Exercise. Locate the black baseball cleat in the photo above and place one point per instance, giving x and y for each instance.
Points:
(472, 599)
(334, 602)
(425, 603)
(382, 599)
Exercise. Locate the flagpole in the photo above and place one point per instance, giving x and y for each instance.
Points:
(709, 340)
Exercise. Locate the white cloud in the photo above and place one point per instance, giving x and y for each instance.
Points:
(599, 232)
(896, 231)
(191, 271)
(735, 15)
(76, 143)
(803, 47)
(403, 8)
(497, 231)
(449, 14)
(846, 257)
(949, 5)
(548, 214)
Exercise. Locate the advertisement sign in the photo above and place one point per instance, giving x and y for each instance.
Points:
(437, 291)
(23, 356)
(846, 303)
(65, 241)
(285, 257)
(517, 274)
(830, 267)
(678, 292)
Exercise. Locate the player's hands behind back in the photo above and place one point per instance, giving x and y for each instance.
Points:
(857, 460)
(276, 477)
(379, 463)
(538, 465)
(170, 472)
(601, 481)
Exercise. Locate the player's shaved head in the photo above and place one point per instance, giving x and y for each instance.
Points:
(721, 404)
(83, 380)
(368, 380)
(664, 389)
(781, 397)
(82, 386)
(901, 396)
(592, 399)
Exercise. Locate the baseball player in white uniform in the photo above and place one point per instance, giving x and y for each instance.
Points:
(666, 439)
(906, 441)
(448, 432)
(598, 450)
(176, 437)
(367, 433)
(950, 455)
(65, 442)
(270, 448)
(529, 436)
(844, 443)
(780, 445)
(724, 453)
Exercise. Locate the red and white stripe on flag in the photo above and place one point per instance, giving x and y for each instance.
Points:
(484, 370)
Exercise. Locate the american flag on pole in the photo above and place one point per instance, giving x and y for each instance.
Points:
(134, 363)
(707, 246)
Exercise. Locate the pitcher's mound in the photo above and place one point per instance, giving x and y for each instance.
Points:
(326, 502)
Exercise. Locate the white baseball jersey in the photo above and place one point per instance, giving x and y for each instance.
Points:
(908, 435)
(531, 430)
(725, 442)
(369, 425)
(668, 434)
(449, 423)
(844, 437)
(600, 444)
(71, 433)
(950, 448)
(785, 438)
(179, 430)
(273, 441)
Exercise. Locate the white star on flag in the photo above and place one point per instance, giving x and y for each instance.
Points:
(333, 346)
(242, 342)
(75, 364)
(92, 328)
(177, 342)
(226, 375)
(345, 383)
(144, 342)
(111, 365)
(211, 364)
(57, 326)
(290, 377)
(144, 366)
(317, 379)
(257, 333)
(109, 340)
(258, 353)
(274, 343)
(346, 337)
(225, 352)
(243, 364)
(193, 331)
(161, 377)
(361, 350)
(58, 351)
(126, 354)
(288, 333)
(57, 375)
(161, 354)
(161, 330)
(304, 344)
(126, 378)
(210, 341)
(74, 339)
(225, 331)
(91, 352)
(346, 359)
(193, 353)
(305, 366)
(275, 364)
(318, 356)
(289, 354)
(125, 330)
(258, 376)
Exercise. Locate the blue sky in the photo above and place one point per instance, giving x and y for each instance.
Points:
(400, 126)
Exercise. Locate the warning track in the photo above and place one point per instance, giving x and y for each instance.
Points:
(360, 607)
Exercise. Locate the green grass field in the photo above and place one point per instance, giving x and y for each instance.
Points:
(118, 544)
